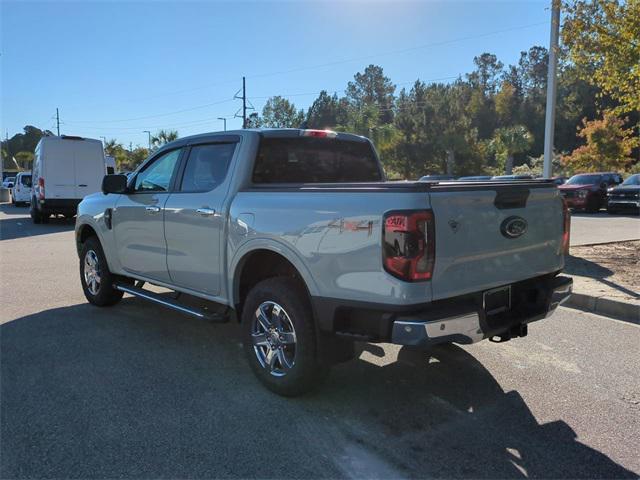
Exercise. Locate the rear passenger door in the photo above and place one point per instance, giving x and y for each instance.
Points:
(195, 218)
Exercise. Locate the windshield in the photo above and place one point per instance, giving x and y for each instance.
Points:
(584, 180)
(632, 180)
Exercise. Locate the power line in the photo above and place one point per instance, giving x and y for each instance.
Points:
(396, 52)
(153, 116)
(141, 127)
(346, 60)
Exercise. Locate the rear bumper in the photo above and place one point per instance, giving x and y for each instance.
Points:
(59, 205)
(473, 326)
(459, 319)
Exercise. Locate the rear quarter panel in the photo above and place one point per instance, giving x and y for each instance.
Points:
(335, 235)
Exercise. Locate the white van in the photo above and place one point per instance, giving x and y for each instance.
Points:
(65, 169)
(21, 191)
(110, 163)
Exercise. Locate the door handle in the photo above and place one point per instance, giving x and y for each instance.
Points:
(152, 209)
(206, 212)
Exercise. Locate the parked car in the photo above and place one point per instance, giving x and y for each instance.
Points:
(512, 177)
(588, 191)
(436, 178)
(625, 196)
(477, 178)
(8, 182)
(65, 169)
(296, 234)
(21, 191)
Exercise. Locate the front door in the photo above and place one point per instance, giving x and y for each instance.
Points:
(138, 219)
(195, 219)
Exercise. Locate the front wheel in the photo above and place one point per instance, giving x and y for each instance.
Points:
(97, 281)
(279, 337)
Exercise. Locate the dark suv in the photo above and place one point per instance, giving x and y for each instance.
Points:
(625, 196)
(588, 191)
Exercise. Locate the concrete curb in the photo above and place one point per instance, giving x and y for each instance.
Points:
(627, 312)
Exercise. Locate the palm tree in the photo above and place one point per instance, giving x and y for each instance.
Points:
(162, 137)
(508, 141)
(111, 147)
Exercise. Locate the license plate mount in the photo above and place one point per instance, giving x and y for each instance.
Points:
(496, 300)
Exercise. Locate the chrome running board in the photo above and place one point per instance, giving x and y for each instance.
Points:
(170, 303)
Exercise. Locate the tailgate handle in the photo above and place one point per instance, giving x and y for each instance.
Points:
(514, 197)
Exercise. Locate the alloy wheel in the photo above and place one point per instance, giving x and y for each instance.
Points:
(274, 338)
(92, 272)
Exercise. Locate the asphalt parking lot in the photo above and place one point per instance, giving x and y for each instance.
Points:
(136, 391)
(592, 228)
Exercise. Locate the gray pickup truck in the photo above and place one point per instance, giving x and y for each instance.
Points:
(296, 234)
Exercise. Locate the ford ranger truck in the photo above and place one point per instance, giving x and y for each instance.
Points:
(297, 235)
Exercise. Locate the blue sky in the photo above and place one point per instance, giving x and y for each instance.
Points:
(117, 68)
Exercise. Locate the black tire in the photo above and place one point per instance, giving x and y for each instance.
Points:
(611, 211)
(35, 214)
(98, 291)
(305, 372)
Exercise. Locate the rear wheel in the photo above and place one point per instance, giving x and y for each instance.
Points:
(97, 281)
(279, 337)
(35, 214)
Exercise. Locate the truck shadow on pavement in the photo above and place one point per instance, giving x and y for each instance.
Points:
(587, 268)
(14, 226)
(135, 391)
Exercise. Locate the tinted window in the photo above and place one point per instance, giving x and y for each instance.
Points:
(206, 167)
(25, 180)
(157, 176)
(315, 160)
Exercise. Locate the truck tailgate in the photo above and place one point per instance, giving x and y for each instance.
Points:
(480, 242)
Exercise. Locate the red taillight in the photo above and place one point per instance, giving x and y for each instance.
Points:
(566, 227)
(408, 245)
(318, 133)
(41, 188)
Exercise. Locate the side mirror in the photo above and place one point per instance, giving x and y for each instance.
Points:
(114, 184)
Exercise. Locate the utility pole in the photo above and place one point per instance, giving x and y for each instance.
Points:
(225, 122)
(58, 121)
(244, 103)
(148, 136)
(552, 87)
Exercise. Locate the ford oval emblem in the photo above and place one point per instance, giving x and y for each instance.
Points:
(513, 227)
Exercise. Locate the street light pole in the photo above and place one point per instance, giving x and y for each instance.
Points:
(225, 122)
(149, 137)
(552, 86)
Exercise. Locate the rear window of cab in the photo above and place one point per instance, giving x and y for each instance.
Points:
(315, 160)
